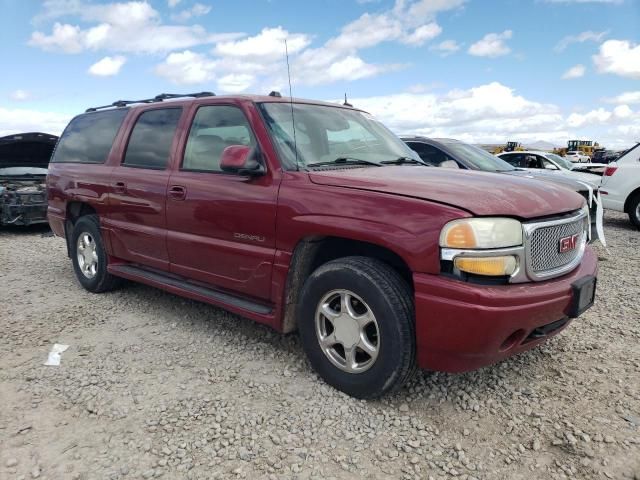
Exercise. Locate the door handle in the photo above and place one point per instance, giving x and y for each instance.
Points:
(177, 192)
(119, 187)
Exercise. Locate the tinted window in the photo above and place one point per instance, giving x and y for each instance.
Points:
(88, 138)
(430, 154)
(513, 159)
(152, 137)
(215, 128)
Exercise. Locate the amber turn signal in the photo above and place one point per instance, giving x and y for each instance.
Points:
(490, 266)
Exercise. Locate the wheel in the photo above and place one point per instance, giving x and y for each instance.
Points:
(634, 210)
(356, 324)
(89, 257)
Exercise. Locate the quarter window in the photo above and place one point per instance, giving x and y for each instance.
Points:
(88, 138)
(215, 127)
(151, 139)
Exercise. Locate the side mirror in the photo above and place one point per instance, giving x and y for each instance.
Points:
(550, 166)
(242, 160)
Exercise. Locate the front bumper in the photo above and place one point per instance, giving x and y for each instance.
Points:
(462, 326)
(22, 214)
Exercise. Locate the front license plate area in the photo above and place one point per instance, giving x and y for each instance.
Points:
(584, 293)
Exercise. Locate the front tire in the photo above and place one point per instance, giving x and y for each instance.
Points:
(356, 324)
(89, 256)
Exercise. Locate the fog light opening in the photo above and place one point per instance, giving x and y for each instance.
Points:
(512, 340)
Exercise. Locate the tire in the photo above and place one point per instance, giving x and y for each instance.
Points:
(633, 209)
(96, 280)
(376, 292)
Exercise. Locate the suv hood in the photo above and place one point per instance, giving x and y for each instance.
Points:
(480, 193)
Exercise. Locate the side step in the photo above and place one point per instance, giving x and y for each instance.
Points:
(160, 279)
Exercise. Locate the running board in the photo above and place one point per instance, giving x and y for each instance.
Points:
(159, 279)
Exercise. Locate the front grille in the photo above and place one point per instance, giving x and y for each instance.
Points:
(544, 245)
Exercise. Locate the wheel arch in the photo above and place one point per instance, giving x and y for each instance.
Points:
(632, 195)
(73, 212)
(313, 251)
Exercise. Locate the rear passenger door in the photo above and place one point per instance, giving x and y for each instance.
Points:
(221, 226)
(137, 203)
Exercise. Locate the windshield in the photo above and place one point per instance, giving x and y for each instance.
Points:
(324, 134)
(560, 161)
(479, 159)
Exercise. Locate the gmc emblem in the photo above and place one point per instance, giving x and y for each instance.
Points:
(569, 243)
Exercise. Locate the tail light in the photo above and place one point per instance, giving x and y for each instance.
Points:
(610, 171)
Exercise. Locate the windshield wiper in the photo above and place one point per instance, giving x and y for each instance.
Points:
(344, 160)
(403, 161)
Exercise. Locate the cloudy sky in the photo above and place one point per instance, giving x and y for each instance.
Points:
(477, 70)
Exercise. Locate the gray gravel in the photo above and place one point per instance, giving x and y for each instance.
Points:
(153, 385)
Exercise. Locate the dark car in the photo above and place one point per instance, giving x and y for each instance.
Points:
(339, 231)
(450, 153)
(24, 159)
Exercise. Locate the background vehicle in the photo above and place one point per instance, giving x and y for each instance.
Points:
(509, 147)
(447, 152)
(605, 156)
(339, 231)
(23, 169)
(621, 185)
(537, 160)
(577, 156)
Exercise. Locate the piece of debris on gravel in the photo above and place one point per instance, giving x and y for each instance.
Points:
(154, 385)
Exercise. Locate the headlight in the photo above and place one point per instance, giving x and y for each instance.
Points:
(481, 233)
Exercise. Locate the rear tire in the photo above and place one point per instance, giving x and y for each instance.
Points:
(363, 358)
(633, 210)
(89, 256)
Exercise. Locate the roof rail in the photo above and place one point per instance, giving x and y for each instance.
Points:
(158, 98)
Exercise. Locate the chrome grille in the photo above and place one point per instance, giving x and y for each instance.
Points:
(544, 258)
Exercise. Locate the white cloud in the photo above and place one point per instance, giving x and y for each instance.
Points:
(108, 66)
(580, 38)
(576, 71)
(446, 47)
(494, 113)
(197, 10)
(235, 83)
(134, 26)
(22, 120)
(625, 98)
(20, 95)
(492, 45)
(267, 45)
(187, 67)
(619, 57)
(422, 34)
(172, 3)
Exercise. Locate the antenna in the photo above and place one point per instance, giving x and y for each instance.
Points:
(293, 121)
(346, 104)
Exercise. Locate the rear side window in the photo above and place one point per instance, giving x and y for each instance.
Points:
(151, 139)
(88, 138)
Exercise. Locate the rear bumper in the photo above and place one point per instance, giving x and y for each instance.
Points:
(462, 326)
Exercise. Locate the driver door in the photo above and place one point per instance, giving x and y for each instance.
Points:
(221, 226)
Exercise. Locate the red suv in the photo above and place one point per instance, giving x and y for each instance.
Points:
(313, 216)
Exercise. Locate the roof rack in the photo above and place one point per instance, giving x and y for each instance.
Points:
(158, 98)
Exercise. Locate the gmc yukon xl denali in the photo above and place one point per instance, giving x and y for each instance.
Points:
(313, 216)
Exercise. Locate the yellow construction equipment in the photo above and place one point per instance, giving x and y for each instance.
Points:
(509, 147)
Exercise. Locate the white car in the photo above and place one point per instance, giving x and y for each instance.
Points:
(538, 160)
(620, 187)
(577, 157)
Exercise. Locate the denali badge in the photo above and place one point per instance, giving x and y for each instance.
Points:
(569, 243)
(246, 236)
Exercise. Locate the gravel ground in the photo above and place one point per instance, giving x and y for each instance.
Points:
(154, 385)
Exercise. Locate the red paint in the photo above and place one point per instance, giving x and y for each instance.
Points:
(237, 233)
(234, 158)
(568, 243)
